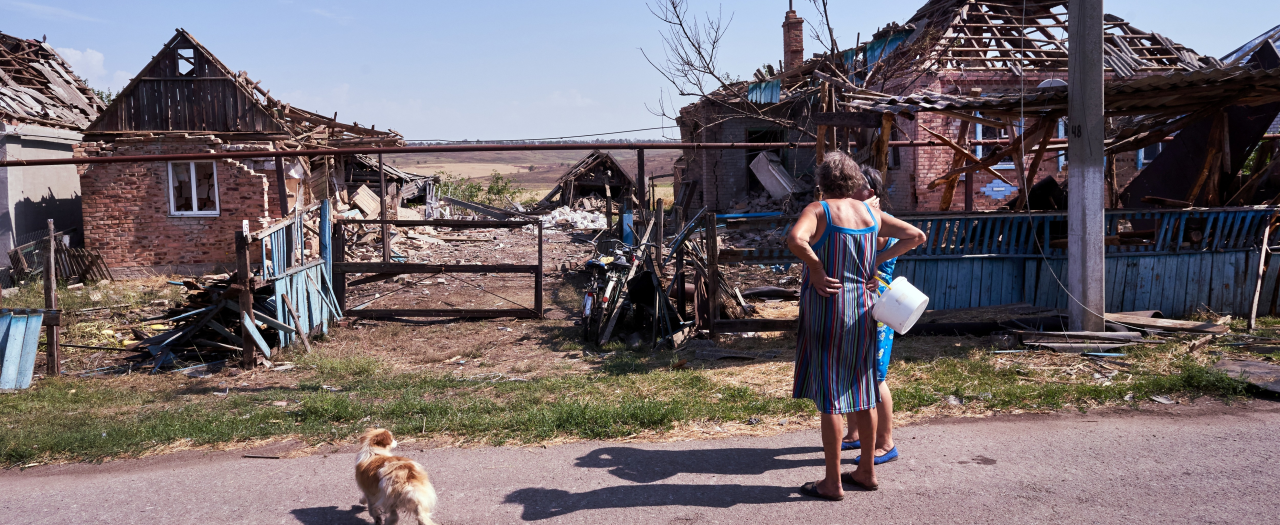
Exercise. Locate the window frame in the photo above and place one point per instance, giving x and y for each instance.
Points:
(191, 167)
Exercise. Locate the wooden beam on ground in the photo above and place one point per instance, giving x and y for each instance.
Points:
(519, 313)
(403, 268)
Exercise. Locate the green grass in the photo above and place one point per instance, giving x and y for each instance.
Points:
(99, 420)
(628, 393)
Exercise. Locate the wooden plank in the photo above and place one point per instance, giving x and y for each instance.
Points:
(964, 282)
(1205, 286)
(1244, 295)
(1043, 298)
(1170, 325)
(519, 313)
(975, 286)
(1266, 301)
(1192, 286)
(12, 347)
(1221, 282)
(1029, 276)
(456, 224)
(1175, 297)
(297, 322)
(266, 319)
(30, 345)
(255, 335)
(1146, 283)
(1112, 279)
(225, 333)
(404, 268)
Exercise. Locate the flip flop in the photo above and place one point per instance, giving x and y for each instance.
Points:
(847, 477)
(811, 489)
(891, 455)
(851, 445)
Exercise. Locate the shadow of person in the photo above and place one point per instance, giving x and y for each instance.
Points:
(540, 504)
(331, 516)
(647, 466)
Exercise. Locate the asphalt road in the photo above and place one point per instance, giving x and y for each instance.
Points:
(1198, 463)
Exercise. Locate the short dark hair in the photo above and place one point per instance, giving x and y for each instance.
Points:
(840, 177)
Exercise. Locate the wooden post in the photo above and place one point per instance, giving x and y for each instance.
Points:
(679, 256)
(713, 273)
(1086, 225)
(642, 179)
(1262, 266)
(608, 208)
(537, 278)
(882, 145)
(248, 347)
(283, 193)
(957, 160)
(660, 236)
(382, 212)
(1019, 160)
(340, 279)
(53, 357)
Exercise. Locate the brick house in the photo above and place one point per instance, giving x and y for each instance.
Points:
(180, 217)
(948, 46)
(44, 108)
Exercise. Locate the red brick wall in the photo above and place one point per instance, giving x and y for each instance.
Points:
(126, 206)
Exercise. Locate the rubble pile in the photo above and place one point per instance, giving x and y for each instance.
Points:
(761, 202)
(566, 217)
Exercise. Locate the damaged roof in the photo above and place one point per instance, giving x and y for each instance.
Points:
(37, 86)
(974, 35)
(186, 88)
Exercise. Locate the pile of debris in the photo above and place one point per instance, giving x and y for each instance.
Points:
(565, 217)
(762, 202)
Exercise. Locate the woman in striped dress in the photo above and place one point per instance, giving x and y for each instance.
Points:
(836, 347)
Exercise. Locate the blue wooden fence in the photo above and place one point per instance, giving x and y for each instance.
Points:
(1175, 261)
(19, 344)
(307, 279)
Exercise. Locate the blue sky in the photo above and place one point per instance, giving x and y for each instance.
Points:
(500, 69)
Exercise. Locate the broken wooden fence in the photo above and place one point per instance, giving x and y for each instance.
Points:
(1175, 261)
(387, 268)
(302, 300)
(19, 343)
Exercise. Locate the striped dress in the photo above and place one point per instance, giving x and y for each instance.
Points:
(836, 347)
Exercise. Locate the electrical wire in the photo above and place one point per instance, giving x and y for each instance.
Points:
(545, 138)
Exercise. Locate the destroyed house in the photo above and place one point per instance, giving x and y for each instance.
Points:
(181, 216)
(44, 108)
(597, 176)
(951, 47)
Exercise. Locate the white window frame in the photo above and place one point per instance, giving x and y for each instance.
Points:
(191, 171)
(1143, 161)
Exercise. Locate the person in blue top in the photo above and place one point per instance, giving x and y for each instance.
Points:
(886, 450)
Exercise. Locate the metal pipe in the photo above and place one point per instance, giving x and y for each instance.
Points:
(460, 148)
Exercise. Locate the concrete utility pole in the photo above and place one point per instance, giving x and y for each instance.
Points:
(1086, 182)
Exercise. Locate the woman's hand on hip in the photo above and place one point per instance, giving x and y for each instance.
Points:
(825, 285)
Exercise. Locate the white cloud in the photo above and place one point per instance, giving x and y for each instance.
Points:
(90, 66)
(48, 12)
(571, 98)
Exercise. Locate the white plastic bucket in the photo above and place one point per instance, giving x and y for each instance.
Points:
(900, 306)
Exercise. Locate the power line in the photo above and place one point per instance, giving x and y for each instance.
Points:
(546, 138)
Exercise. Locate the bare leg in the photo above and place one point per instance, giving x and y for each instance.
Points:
(831, 451)
(850, 428)
(884, 440)
(866, 471)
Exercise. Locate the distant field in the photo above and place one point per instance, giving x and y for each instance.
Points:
(548, 165)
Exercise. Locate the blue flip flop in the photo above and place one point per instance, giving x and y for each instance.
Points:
(891, 455)
(851, 445)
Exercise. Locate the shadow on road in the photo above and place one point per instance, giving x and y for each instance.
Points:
(647, 466)
(330, 516)
(540, 504)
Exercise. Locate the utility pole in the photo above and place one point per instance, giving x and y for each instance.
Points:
(1086, 179)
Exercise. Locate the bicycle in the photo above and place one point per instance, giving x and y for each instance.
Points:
(604, 290)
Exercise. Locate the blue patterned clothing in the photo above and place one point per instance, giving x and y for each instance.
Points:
(884, 334)
(835, 349)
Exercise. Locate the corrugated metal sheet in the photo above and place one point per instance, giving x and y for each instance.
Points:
(767, 92)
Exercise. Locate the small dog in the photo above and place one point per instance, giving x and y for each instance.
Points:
(392, 483)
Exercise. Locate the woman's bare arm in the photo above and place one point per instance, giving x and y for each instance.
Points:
(799, 241)
(908, 237)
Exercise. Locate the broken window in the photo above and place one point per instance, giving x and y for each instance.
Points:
(186, 61)
(1148, 154)
(193, 188)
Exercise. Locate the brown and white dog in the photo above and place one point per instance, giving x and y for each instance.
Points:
(392, 483)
